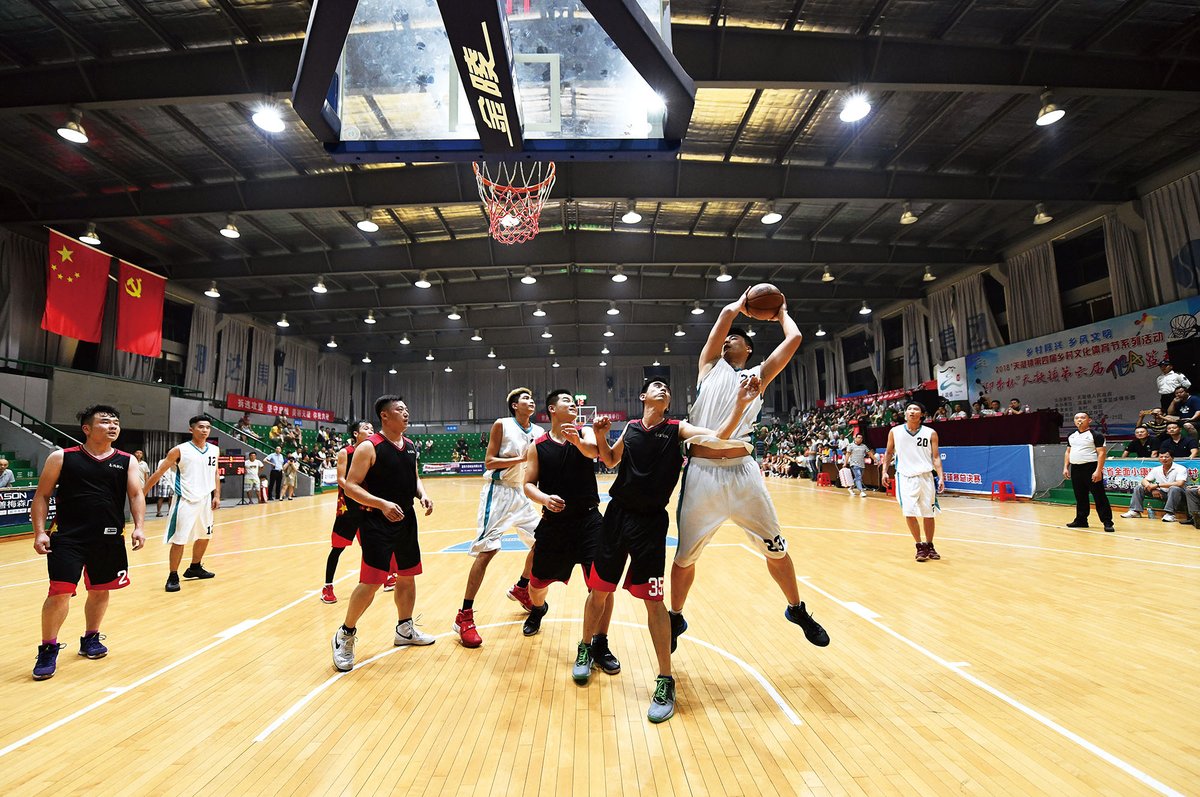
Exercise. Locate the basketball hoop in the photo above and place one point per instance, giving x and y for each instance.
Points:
(513, 195)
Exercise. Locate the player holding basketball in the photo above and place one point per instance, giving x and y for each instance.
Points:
(502, 505)
(93, 481)
(560, 475)
(345, 522)
(383, 481)
(915, 448)
(721, 481)
(636, 521)
(190, 518)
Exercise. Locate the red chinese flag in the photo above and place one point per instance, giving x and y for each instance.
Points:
(139, 310)
(76, 284)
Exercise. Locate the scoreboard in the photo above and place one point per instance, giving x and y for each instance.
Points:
(233, 464)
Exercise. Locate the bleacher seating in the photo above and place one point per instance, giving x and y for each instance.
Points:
(22, 469)
(442, 451)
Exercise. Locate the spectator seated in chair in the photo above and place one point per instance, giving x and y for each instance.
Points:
(1165, 483)
(1141, 445)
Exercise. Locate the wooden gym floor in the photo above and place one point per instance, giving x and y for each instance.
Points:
(1032, 659)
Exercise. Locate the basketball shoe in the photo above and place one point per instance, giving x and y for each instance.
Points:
(931, 552)
(47, 660)
(407, 633)
(922, 553)
(662, 705)
(678, 626)
(343, 648)
(583, 664)
(172, 582)
(813, 631)
(196, 570)
(89, 645)
(327, 595)
(521, 596)
(389, 583)
(603, 657)
(464, 626)
(533, 623)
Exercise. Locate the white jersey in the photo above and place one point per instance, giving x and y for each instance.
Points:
(716, 395)
(196, 474)
(514, 442)
(914, 452)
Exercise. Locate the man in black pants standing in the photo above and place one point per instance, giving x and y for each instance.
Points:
(1083, 464)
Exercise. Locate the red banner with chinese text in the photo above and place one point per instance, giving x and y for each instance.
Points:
(246, 404)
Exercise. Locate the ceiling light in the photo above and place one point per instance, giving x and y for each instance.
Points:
(554, 364)
(928, 276)
(608, 333)
(367, 359)
(448, 369)
(827, 275)
(612, 309)
(230, 229)
(539, 312)
(212, 291)
(477, 337)
(631, 215)
(404, 339)
(509, 220)
(856, 107)
(423, 280)
(772, 216)
(370, 319)
(551, 351)
(620, 275)
(392, 370)
(267, 118)
(90, 236)
(365, 224)
(320, 286)
(908, 217)
(603, 363)
(656, 362)
(429, 356)
(1042, 217)
(528, 279)
(666, 348)
(864, 310)
(73, 130)
(605, 349)
(750, 332)
(282, 323)
(679, 333)
(696, 308)
(547, 333)
(332, 343)
(454, 315)
(1049, 112)
(723, 276)
(491, 354)
(820, 331)
(501, 366)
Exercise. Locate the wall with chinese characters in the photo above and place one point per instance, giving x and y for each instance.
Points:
(1106, 369)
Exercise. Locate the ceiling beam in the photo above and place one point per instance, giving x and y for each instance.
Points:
(449, 184)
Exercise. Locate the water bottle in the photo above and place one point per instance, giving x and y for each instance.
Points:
(1150, 512)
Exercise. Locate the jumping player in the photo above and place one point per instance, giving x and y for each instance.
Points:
(190, 518)
(635, 523)
(345, 522)
(502, 505)
(915, 448)
(93, 481)
(560, 474)
(721, 481)
(383, 481)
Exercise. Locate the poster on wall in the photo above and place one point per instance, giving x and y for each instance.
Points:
(1106, 369)
(1122, 475)
(951, 379)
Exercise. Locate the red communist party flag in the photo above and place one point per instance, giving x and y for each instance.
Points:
(139, 310)
(76, 284)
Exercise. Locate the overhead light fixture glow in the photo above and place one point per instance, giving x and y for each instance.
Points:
(1049, 112)
(392, 370)
(509, 220)
(448, 369)
(538, 312)
(723, 275)
(365, 224)
(696, 308)
(551, 351)
(619, 276)
(908, 217)
(547, 333)
(772, 216)
(423, 280)
(320, 286)
(608, 333)
(370, 319)
(750, 332)
(367, 359)
(501, 366)
(656, 362)
(666, 348)
(827, 275)
(1042, 217)
(603, 363)
(404, 339)
(429, 356)
(73, 130)
(90, 236)
(332, 344)
(267, 117)
(454, 315)
(928, 276)
(282, 323)
(491, 354)
(212, 291)
(554, 364)
(612, 309)
(864, 310)
(679, 333)
(477, 337)
(605, 349)
(820, 331)
(230, 229)
(528, 279)
(856, 107)
(631, 215)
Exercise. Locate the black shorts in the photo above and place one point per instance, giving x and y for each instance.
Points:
(388, 547)
(640, 538)
(345, 527)
(563, 542)
(98, 554)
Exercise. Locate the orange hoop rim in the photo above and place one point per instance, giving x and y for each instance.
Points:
(514, 189)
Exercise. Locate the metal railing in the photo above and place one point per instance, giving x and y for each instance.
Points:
(46, 371)
(36, 426)
(261, 446)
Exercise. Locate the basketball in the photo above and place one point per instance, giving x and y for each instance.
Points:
(763, 301)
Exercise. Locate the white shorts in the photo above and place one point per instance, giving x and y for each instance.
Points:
(501, 508)
(917, 495)
(188, 521)
(717, 490)
(251, 483)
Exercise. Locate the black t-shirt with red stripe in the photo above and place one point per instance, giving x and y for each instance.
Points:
(649, 467)
(91, 491)
(393, 476)
(564, 471)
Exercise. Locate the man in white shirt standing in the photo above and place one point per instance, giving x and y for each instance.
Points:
(1083, 464)
(1166, 482)
(919, 476)
(1167, 381)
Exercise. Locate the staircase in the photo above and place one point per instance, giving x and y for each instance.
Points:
(261, 446)
(26, 441)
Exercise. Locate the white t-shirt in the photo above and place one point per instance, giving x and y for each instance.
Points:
(1177, 473)
(253, 468)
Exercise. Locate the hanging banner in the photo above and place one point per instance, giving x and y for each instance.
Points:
(951, 379)
(246, 404)
(139, 310)
(1122, 475)
(1106, 369)
(76, 286)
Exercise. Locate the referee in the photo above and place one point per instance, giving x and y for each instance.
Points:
(1083, 464)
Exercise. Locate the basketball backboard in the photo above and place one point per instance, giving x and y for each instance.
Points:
(418, 80)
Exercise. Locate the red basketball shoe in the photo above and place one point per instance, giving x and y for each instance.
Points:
(464, 626)
(327, 595)
(521, 596)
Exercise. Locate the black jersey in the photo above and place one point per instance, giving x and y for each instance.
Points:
(649, 467)
(564, 471)
(393, 477)
(91, 492)
(344, 502)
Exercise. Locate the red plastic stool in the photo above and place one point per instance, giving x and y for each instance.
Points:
(891, 487)
(823, 480)
(1003, 491)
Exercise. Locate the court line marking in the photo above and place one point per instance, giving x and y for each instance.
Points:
(1001, 544)
(296, 707)
(117, 691)
(958, 669)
